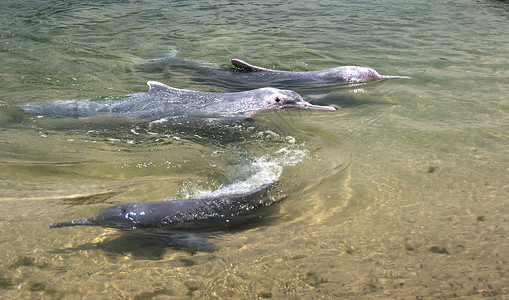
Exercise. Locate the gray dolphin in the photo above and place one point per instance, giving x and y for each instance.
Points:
(162, 101)
(183, 214)
(344, 74)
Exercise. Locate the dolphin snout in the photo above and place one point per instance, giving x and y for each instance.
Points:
(319, 107)
(394, 77)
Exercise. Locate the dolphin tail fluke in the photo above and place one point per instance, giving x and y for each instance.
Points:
(394, 77)
(81, 222)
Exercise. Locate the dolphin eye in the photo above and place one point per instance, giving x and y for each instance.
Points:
(277, 100)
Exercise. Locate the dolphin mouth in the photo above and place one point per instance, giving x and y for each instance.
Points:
(384, 77)
(317, 107)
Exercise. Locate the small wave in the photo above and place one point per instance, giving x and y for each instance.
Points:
(171, 57)
(172, 53)
(258, 171)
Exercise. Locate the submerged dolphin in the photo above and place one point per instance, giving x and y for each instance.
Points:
(181, 223)
(199, 213)
(345, 74)
(162, 101)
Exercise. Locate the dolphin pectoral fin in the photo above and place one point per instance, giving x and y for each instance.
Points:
(190, 241)
(241, 65)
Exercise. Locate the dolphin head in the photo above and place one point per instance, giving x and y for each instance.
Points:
(368, 74)
(277, 99)
(117, 216)
(357, 74)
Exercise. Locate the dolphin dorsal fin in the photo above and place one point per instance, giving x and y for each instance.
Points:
(244, 66)
(158, 86)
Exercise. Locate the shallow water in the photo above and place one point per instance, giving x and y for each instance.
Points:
(400, 193)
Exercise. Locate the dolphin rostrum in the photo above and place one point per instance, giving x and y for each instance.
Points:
(344, 74)
(162, 101)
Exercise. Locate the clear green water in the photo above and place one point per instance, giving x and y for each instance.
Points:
(401, 193)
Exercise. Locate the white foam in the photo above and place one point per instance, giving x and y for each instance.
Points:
(262, 170)
(159, 121)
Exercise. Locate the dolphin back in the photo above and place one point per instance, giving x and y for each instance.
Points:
(182, 213)
(241, 65)
(343, 74)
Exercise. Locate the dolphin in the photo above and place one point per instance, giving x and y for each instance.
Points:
(344, 74)
(214, 212)
(162, 101)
